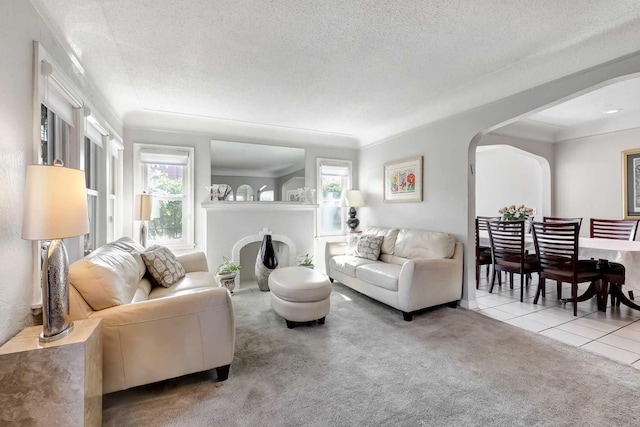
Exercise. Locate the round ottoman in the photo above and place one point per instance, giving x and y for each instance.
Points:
(299, 294)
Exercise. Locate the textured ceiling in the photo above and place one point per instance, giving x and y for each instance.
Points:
(584, 115)
(364, 68)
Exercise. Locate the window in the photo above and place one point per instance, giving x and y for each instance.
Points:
(55, 137)
(93, 159)
(334, 177)
(167, 174)
(81, 144)
(114, 190)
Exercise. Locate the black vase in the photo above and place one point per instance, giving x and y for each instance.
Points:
(266, 262)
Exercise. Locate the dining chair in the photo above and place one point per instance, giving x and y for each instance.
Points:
(617, 229)
(560, 219)
(508, 253)
(557, 253)
(483, 253)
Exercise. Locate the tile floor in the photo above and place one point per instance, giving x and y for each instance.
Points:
(614, 334)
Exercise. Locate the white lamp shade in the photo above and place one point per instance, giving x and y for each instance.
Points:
(352, 198)
(144, 203)
(55, 203)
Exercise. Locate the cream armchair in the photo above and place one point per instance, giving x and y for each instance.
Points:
(151, 334)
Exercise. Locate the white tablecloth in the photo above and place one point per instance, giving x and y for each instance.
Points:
(622, 251)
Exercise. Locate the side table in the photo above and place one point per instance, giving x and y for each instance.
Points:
(56, 383)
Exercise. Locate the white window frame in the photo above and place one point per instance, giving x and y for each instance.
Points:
(140, 185)
(320, 232)
(115, 188)
(98, 137)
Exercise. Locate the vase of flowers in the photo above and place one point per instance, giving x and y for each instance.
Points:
(516, 213)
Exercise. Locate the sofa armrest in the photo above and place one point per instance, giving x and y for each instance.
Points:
(332, 249)
(429, 282)
(162, 338)
(179, 304)
(195, 261)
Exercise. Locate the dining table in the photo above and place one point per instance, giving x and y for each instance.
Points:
(623, 252)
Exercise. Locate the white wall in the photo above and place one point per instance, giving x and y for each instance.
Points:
(543, 152)
(448, 147)
(20, 25)
(505, 176)
(589, 176)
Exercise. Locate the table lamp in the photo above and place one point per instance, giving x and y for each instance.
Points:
(352, 199)
(144, 203)
(55, 207)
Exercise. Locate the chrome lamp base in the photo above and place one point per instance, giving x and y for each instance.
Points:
(55, 293)
(143, 233)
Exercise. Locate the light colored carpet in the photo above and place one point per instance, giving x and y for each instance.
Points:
(367, 367)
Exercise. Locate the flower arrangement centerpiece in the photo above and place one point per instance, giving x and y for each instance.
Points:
(516, 213)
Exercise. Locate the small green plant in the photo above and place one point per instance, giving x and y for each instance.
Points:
(227, 267)
(305, 260)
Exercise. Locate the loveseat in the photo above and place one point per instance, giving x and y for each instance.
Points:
(416, 269)
(151, 333)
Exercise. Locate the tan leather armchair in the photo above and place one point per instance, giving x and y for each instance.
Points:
(161, 332)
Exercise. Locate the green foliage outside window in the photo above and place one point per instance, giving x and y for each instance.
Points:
(168, 222)
(332, 187)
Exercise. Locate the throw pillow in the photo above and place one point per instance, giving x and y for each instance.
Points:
(369, 247)
(162, 265)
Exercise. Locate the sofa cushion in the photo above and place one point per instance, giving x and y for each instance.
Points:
(346, 264)
(142, 293)
(390, 235)
(420, 244)
(369, 247)
(193, 280)
(106, 277)
(135, 249)
(380, 274)
(162, 265)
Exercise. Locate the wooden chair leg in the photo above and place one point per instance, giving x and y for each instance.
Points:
(499, 278)
(510, 280)
(521, 288)
(541, 283)
(559, 289)
(477, 275)
(493, 279)
(574, 297)
(488, 268)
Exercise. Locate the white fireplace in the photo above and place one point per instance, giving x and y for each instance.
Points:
(232, 226)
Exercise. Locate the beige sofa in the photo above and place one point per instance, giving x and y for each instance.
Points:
(152, 333)
(416, 269)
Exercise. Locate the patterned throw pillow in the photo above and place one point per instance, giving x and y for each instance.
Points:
(162, 265)
(369, 247)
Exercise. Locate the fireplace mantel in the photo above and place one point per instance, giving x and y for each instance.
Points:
(257, 206)
(231, 225)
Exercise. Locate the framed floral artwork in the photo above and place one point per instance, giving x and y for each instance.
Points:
(631, 184)
(403, 180)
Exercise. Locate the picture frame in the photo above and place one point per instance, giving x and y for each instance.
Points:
(293, 196)
(631, 184)
(403, 180)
